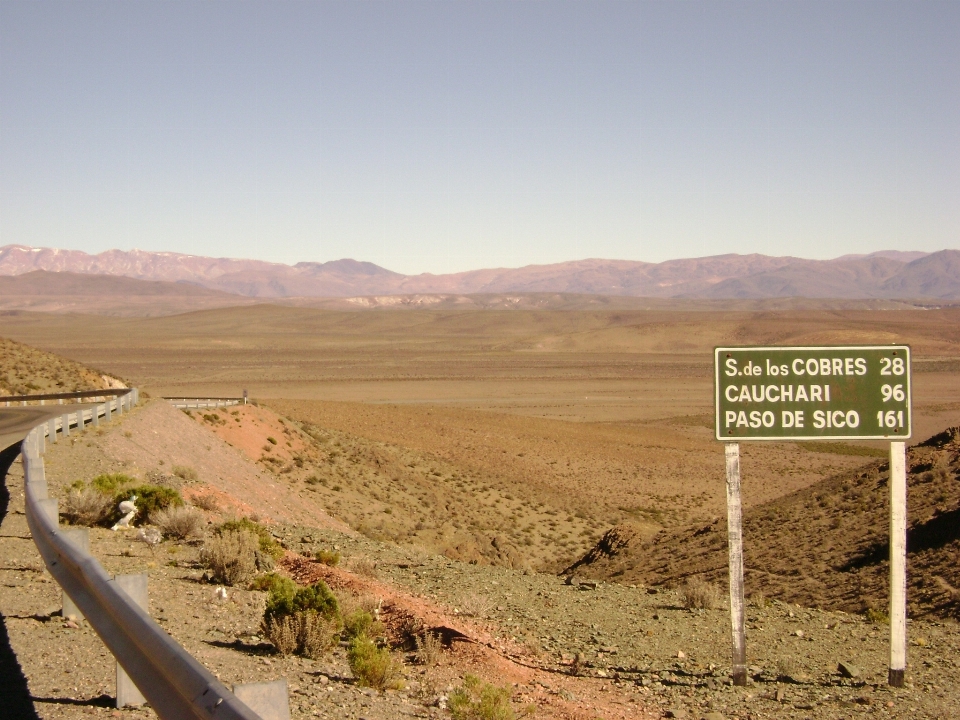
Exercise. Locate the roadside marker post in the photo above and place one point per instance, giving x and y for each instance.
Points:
(816, 393)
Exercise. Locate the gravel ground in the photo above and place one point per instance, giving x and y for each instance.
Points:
(579, 650)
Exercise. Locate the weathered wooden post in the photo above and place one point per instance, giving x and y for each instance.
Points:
(735, 547)
(898, 564)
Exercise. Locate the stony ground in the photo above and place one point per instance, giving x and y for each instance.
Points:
(641, 653)
(574, 649)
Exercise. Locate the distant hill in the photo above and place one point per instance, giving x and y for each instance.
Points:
(880, 275)
(46, 291)
(823, 546)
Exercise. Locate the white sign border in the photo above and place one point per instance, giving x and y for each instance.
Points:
(807, 438)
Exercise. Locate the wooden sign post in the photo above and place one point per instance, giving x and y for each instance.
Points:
(735, 545)
(816, 393)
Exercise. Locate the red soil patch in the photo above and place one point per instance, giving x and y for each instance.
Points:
(475, 648)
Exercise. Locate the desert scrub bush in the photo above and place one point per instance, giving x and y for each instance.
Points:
(360, 622)
(877, 617)
(373, 666)
(327, 557)
(303, 633)
(85, 506)
(182, 523)
(150, 499)
(699, 594)
(428, 648)
(274, 584)
(477, 700)
(475, 605)
(305, 621)
(205, 502)
(231, 556)
(267, 543)
(110, 483)
(186, 473)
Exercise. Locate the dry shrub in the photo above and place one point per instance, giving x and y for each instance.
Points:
(185, 472)
(474, 605)
(699, 594)
(282, 632)
(363, 566)
(305, 633)
(206, 502)
(429, 647)
(183, 523)
(231, 556)
(86, 506)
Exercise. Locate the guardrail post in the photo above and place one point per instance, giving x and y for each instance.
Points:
(95, 419)
(65, 425)
(79, 538)
(80, 419)
(52, 429)
(270, 700)
(107, 415)
(136, 587)
(50, 506)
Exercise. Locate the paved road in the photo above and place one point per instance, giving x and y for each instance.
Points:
(16, 422)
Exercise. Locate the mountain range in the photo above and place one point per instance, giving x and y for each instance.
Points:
(887, 274)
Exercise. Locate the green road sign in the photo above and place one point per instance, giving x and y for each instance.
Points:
(813, 393)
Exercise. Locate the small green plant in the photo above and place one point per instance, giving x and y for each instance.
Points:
(360, 622)
(305, 620)
(272, 441)
(268, 544)
(110, 483)
(877, 617)
(274, 584)
(372, 665)
(327, 557)
(477, 700)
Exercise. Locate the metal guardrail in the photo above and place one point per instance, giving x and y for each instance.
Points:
(201, 403)
(175, 684)
(83, 394)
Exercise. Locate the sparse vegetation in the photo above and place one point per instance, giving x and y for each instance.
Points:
(267, 544)
(86, 506)
(231, 556)
(182, 523)
(699, 594)
(372, 665)
(206, 502)
(304, 621)
(186, 473)
(428, 648)
(477, 700)
(327, 557)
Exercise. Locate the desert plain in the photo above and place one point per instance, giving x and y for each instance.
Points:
(511, 435)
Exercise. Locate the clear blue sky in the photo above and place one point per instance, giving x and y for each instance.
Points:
(445, 136)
